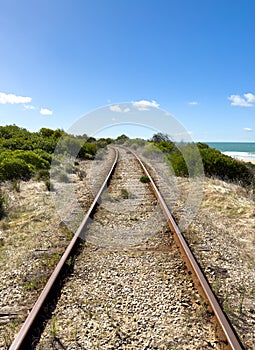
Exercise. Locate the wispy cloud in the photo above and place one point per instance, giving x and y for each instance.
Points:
(13, 99)
(46, 111)
(247, 100)
(250, 97)
(117, 108)
(248, 129)
(193, 103)
(145, 105)
(29, 107)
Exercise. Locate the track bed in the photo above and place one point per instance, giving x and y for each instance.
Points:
(130, 288)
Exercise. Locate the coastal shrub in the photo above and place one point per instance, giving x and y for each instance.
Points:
(13, 138)
(20, 164)
(215, 164)
(226, 168)
(44, 155)
(68, 145)
(166, 146)
(32, 159)
(151, 151)
(14, 168)
(87, 151)
(121, 139)
(178, 163)
(184, 159)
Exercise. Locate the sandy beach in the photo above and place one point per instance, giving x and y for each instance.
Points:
(247, 160)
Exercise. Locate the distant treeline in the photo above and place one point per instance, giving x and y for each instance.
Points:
(24, 154)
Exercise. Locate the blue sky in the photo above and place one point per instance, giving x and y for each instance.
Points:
(60, 60)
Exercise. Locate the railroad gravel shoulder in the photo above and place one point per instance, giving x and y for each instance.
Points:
(33, 237)
(222, 237)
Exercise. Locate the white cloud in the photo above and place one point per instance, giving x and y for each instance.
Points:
(250, 97)
(193, 103)
(145, 105)
(247, 101)
(248, 129)
(29, 107)
(46, 111)
(13, 99)
(117, 108)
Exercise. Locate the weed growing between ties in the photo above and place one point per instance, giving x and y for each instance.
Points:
(8, 335)
(144, 179)
(54, 327)
(125, 194)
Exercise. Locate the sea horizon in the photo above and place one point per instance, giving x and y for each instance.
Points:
(239, 150)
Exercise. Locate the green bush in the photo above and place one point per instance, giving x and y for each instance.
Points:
(178, 163)
(87, 151)
(44, 155)
(21, 164)
(14, 168)
(32, 159)
(226, 168)
(144, 179)
(185, 161)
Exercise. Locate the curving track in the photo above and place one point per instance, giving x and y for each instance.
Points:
(130, 287)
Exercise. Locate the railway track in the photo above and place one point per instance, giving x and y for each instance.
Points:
(129, 287)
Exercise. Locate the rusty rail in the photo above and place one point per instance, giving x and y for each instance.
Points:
(227, 329)
(28, 324)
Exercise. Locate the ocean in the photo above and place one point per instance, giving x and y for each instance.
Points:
(239, 150)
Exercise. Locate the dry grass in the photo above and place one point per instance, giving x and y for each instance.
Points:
(222, 237)
(230, 199)
(32, 240)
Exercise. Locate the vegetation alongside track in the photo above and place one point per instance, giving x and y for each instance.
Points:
(215, 163)
(230, 202)
(25, 154)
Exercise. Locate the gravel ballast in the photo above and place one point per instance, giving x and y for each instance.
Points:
(130, 288)
(32, 237)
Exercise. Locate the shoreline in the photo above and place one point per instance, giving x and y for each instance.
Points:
(244, 159)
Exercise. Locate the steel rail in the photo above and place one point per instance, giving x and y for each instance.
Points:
(232, 339)
(227, 329)
(28, 324)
